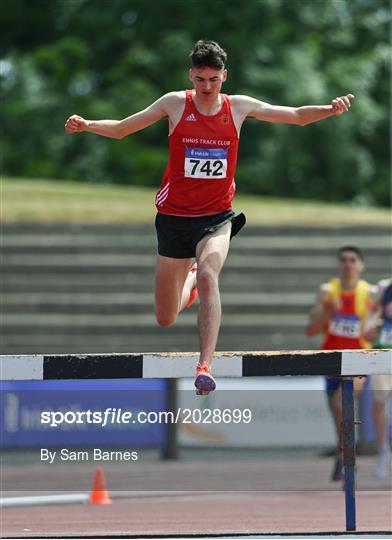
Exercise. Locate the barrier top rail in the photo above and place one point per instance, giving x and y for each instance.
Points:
(168, 365)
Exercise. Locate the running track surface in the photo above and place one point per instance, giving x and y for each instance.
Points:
(203, 513)
(200, 513)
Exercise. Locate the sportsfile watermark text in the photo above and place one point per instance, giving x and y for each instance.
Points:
(111, 416)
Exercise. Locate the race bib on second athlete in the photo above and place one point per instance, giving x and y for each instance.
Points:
(385, 338)
(205, 163)
(345, 326)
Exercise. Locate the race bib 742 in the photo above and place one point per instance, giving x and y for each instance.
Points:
(210, 163)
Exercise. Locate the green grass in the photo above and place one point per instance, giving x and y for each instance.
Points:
(33, 200)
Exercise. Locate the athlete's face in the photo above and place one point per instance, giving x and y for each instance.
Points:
(207, 81)
(350, 265)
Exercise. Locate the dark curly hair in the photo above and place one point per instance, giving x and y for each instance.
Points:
(206, 53)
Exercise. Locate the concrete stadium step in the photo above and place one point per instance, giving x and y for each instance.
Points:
(115, 346)
(147, 299)
(138, 343)
(110, 275)
(130, 309)
(122, 229)
(97, 262)
(41, 343)
(91, 242)
(123, 322)
(146, 251)
(137, 282)
(143, 303)
(91, 338)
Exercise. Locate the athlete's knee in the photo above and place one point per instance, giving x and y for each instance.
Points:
(165, 319)
(207, 281)
(379, 403)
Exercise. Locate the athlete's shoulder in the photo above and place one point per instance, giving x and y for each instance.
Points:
(367, 285)
(174, 98)
(370, 287)
(383, 284)
(175, 94)
(245, 105)
(378, 291)
(239, 100)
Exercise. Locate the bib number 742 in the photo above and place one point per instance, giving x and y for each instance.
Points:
(207, 167)
(205, 163)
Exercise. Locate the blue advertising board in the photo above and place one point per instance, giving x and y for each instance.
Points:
(27, 407)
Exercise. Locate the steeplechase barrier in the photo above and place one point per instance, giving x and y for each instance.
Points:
(343, 364)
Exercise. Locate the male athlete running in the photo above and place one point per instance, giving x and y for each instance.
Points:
(340, 312)
(194, 203)
(378, 329)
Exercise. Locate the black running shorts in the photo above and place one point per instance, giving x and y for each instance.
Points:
(178, 236)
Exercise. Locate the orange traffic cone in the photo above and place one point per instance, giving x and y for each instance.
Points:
(99, 494)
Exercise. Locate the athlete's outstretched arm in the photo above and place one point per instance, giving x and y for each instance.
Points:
(300, 116)
(117, 129)
(324, 307)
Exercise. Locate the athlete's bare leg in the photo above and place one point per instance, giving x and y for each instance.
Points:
(211, 253)
(335, 406)
(173, 284)
(380, 422)
(382, 467)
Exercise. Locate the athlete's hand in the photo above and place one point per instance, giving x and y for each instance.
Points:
(74, 124)
(370, 334)
(372, 325)
(341, 104)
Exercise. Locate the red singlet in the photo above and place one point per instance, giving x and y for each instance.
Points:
(345, 327)
(199, 178)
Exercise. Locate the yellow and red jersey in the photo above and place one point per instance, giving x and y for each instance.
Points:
(345, 327)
